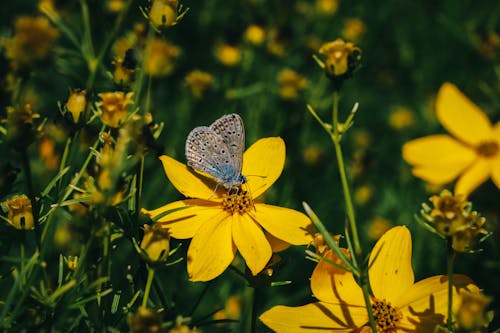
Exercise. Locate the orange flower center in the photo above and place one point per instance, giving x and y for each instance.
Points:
(237, 202)
(488, 149)
(386, 316)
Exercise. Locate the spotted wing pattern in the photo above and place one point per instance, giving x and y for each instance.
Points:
(230, 127)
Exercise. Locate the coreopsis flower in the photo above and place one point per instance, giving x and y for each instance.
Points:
(198, 82)
(76, 104)
(401, 118)
(159, 57)
(155, 244)
(399, 305)
(125, 68)
(290, 84)
(353, 29)
(163, 13)
(451, 216)
(471, 153)
(32, 41)
(377, 226)
(327, 7)
(232, 309)
(255, 34)
(472, 315)
(228, 55)
(340, 59)
(113, 106)
(115, 6)
(19, 212)
(48, 154)
(222, 222)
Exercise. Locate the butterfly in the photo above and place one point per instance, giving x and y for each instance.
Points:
(218, 150)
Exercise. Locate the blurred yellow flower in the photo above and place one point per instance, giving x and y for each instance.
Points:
(32, 41)
(228, 55)
(163, 13)
(472, 315)
(255, 34)
(155, 244)
(277, 42)
(340, 58)
(19, 212)
(291, 84)
(327, 7)
(115, 6)
(471, 153)
(221, 222)
(146, 320)
(183, 328)
(76, 104)
(353, 29)
(159, 57)
(198, 82)
(401, 118)
(113, 106)
(399, 305)
(72, 262)
(363, 194)
(313, 154)
(48, 154)
(124, 71)
(378, 226)
(232, 309)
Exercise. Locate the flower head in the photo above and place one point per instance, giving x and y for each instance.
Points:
(255, 34)
(113, 106)
(198, 82)
(155, 244)
(398, 304)
(222, 222)
(291, 84)
(163, 13)
(471, 314)
(340, 59)
(354, 29)
(76, 104)
(471, 153)
(19, 212)
(228, 55)
(159, 57)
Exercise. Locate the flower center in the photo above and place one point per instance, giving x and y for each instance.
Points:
(488, 149)
(237, 202)
(386, 316)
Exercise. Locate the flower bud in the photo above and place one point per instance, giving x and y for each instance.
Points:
(76, 104)
(155, 244)
(340, 59)
(20, 214)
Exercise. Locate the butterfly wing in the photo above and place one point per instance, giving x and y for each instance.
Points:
(231, 129)
(206, 151)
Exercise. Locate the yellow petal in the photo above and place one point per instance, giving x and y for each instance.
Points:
(495, 172)
(211, 250)
(277, 245)
(187, 217)
(263, 163)
(334, 285)
(286, 224)
(426, 303)
(437, 159)
(251, 242)
(390, 269)
(474, 176)
(315, 318)
(461, 117)
(187, 181)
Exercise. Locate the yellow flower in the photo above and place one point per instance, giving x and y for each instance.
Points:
(124, 71)
(354, 28)
(472, 315)
(163, 13)
(377, 226)
(159, 57)
(327, 7)
(113, 107)
(471, 153)
(146, 320)
(341, 58)
(20, 213)
(228, 55)
(401, 118)
(255, 34)
(198, 82)
(156, 243)
(76, 104)
(399, 305)
(115, 6)
(72, 262)
(32, 41)
(291, 84)
(221, 223)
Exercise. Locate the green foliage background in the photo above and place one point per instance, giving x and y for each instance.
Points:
(409, 50)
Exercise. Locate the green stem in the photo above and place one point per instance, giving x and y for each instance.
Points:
(343, 178)
(149, 282)
(450, 263)
(138, 190)
(31, 193)
(366, 296)
(253, 319)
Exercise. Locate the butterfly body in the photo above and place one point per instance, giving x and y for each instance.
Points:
(218, 150)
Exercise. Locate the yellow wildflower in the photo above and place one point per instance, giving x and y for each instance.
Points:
(291, 84)
(363, 194)
(48, 154)
(255, 34)
(401, 118)
(20, 214)
(313, 154)
(198, 82)
(399, 305)
(113, 106)
(232, 309)
(354, 29)
(146, 320)
(228, 55)
(340, 58)
(472, 315)
(155, 244)
(159, 57)
(115, 6)
(124, 69)
(32, 41)
(277, 42)
(72, 262)
(163, 13)
(183, 328)
(471, 153)
(221, 222)
(327, 7)
(377, 226)
(76, 104)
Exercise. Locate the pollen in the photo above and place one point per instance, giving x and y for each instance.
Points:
(237, 202)
(386, 316)
(488, 149)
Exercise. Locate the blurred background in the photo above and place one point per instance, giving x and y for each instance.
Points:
(254, 58)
